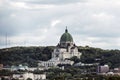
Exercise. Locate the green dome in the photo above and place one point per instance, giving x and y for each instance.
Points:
(66, 37)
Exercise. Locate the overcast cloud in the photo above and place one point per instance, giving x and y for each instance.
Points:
(94, 23)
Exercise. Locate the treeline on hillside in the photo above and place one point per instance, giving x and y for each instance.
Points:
(25, 55)
(97, 55)
(31, 55)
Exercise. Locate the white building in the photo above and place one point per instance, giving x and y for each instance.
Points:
(65, 49)
(26, 75)
(39, 76)
(20, 67)
(103, 69)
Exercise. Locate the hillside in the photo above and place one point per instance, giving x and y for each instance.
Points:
(30, 55)
(24, 55)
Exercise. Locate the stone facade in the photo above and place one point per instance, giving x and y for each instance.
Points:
(66, 53)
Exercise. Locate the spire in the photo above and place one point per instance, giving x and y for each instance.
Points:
(66, 29)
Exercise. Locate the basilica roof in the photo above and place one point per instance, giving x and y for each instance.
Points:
(66, 37)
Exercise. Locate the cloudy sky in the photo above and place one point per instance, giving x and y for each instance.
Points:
(94, 23)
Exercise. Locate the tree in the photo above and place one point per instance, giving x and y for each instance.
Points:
(29, 79)
(75, 59)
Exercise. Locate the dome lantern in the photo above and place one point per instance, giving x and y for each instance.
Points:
(66, 29)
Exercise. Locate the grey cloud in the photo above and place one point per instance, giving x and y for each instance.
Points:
(55, 2)
(79, 18)
(21, 22)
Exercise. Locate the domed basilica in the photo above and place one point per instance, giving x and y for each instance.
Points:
(65, 49)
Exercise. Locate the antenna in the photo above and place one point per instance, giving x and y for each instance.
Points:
(24, 43)
(9, 43)
(6, 40)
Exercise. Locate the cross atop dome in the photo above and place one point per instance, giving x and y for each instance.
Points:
(66, 29)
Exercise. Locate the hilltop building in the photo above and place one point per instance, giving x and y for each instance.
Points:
(65, 49)
(103, 69)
